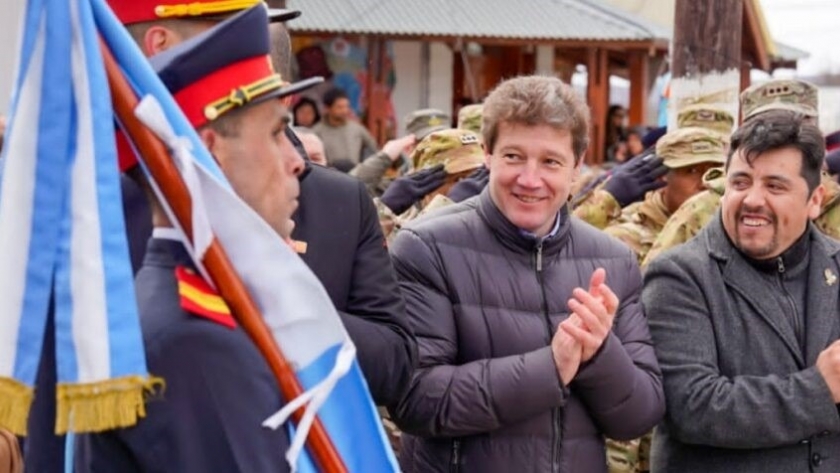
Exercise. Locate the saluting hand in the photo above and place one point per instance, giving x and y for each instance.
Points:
(593, 312)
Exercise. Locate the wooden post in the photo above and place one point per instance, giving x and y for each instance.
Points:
(458, 78)
(598, 97)
(377, 94)
(564, 67)
(706, 55)
(639, 85)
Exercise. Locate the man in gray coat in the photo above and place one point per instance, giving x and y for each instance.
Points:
(745, 317)
(528, 355)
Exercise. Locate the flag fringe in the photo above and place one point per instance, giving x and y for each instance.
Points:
(15, 401)
(104, 405)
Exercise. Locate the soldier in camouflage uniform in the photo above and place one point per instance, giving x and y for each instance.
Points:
(795, 95)
(469, 118)
(458, 151)
(422, 123)
(640, 223)
(601, 209)
(688, 153)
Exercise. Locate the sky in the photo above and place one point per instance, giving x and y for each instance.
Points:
(810, 25)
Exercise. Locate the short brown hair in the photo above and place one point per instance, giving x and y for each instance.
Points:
(537, 100)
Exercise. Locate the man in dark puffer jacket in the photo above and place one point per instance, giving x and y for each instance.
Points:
(527, 357)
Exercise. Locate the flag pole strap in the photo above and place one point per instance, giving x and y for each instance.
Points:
(216, 261)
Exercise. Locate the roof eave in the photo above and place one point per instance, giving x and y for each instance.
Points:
(654, 44)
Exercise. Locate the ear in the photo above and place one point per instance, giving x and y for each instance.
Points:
(486, 155)
(815, 202)
(210, 139)
(158, 39)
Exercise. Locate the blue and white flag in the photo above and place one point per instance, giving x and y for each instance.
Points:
(62, 233)
(294, 304)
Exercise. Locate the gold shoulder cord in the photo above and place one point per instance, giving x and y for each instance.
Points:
(201, 9)
(242, 95)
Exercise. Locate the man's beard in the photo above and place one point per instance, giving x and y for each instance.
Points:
(770, 247)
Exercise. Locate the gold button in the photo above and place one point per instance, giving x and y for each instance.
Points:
(211, 113)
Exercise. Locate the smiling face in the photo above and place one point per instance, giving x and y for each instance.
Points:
(767, 205)
(531, 173)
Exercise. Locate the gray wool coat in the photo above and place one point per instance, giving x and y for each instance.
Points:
(742, 396)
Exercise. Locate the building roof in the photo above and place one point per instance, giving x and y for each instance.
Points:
(552, 20)
(786, 52)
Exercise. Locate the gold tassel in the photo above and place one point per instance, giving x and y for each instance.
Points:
(104, 405)
(15, 401)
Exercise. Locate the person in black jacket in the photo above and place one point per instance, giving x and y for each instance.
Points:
(533, 344)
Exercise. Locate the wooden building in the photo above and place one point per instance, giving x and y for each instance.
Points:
(489, 40)
(446, 53)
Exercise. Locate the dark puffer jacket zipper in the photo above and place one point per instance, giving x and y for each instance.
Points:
(556, 427)
(455, 461)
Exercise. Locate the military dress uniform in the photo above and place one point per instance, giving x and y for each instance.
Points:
(219, 388)
(336, 232)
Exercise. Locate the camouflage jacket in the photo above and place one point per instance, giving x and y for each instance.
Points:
(391, 222)
(640, 223)
(696, 212)
(637, 227)
(599, 209)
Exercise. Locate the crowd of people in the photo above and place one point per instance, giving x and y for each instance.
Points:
(513, 310)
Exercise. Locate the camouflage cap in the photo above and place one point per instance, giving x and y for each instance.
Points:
(422, 122)
(689, 146)
(706, 116)
(457, 150)
(469, 118)
(795, 95)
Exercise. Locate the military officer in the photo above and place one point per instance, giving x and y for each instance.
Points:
(219, 388)
(336, 231)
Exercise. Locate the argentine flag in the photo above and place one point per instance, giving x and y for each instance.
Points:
(62, 233)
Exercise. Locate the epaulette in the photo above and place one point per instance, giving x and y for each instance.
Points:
(199, 298)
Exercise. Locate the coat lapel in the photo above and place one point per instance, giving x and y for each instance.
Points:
(737, 276)
(822, 318)
(741, 277)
